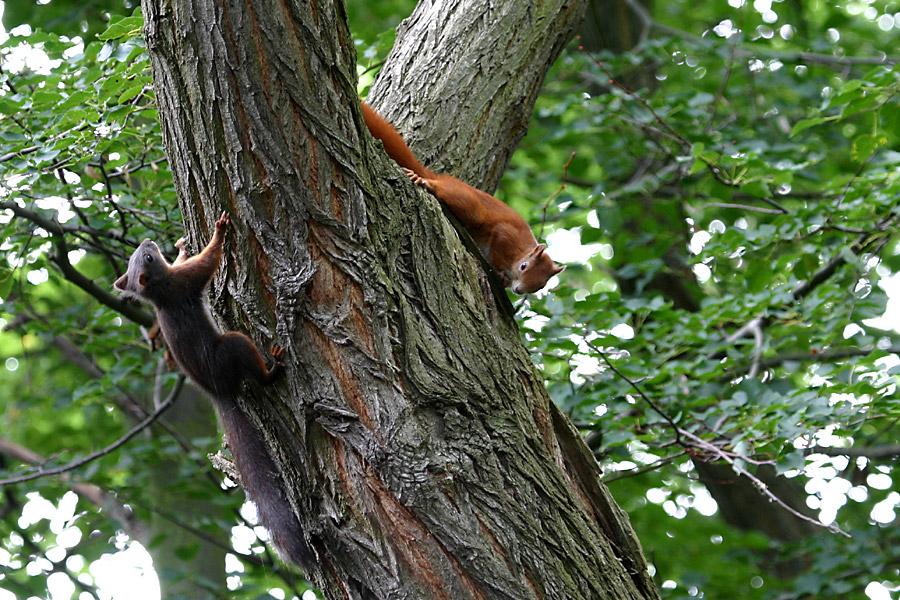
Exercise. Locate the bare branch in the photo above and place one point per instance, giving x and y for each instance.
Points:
(562, 186)
(821, 357)
(794, 57)
(656, 408)
(88, 491)
(55, 227)
(697, 443)
(73, 275)
(732, 460)
(887, 451)
(645, 469)
(23, 151)
(741, 207)
(169, 401)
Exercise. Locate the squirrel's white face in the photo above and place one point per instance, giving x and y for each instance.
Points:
(145, 259)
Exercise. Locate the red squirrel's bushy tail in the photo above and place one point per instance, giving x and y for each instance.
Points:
(393, 143)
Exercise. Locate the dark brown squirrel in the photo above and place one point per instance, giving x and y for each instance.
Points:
(218, 362)
(504, 236)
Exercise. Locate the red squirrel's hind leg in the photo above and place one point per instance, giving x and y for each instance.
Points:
(237, 351)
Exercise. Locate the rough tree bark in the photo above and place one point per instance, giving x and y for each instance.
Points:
(421, 450)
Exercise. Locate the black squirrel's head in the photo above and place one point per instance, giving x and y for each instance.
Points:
(146, 267)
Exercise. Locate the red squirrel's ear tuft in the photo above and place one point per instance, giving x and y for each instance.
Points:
(559, 269)
(121, 282)
(539, 250)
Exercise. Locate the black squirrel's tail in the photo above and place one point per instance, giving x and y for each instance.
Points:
(263, 483)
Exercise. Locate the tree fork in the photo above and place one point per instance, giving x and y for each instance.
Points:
(419, 446)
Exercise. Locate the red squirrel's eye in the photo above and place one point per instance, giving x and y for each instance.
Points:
(148, 258)
(523, 266)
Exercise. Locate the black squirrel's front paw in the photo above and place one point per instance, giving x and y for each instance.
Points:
(222, 223)
(277, 353)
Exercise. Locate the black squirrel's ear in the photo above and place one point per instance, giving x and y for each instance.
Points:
(121, 282)
(142, 279)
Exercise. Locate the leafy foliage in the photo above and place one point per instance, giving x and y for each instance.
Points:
(736, 198)
(741, 215)
(85, 179)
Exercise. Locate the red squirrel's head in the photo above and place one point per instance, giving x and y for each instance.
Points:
(145, 266)
(532, 272)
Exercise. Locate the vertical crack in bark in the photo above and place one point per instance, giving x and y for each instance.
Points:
(416, 545)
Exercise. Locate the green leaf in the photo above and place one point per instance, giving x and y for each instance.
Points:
(42, 98)
(125, 27)
(131, 92)
(757, 188)
(865, 145)
(804, 124)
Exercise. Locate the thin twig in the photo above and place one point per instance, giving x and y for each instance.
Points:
(169, 401)
(656, 408)
(645, 469)
(562, 186)
(760, 485)
(109, 195)
(770, 211)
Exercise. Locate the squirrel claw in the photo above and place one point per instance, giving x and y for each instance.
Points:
(277, 352)
(223, 221)
(420, 181)
(413, 176)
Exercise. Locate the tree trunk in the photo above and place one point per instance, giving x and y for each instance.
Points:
(419, 446)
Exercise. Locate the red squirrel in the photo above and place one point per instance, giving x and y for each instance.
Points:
(503, 235)
(218, 362)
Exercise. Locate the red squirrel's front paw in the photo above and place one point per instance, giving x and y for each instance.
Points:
(180, 243)
(277, 353)
(414, 177)
(420, 181)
